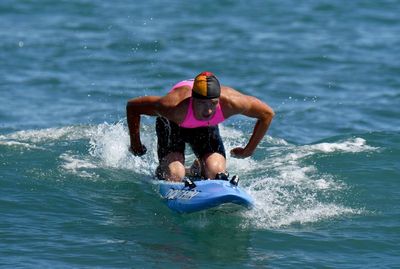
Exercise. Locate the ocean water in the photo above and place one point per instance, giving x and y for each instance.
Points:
(325, 179)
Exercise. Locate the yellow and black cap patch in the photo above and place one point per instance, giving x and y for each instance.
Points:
(206, 86)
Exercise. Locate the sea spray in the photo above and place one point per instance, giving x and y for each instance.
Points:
(286, 187)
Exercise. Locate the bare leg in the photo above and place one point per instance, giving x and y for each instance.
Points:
(172, 167)
(212, 164)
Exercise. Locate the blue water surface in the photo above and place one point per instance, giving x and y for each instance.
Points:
(325, 179)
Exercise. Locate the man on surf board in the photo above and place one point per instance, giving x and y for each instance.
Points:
(190, 113)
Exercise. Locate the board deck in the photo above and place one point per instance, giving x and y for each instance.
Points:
(206, 194)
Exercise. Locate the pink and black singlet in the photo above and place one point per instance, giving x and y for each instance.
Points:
(202, 136)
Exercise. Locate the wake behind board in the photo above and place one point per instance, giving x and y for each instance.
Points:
(204, 194)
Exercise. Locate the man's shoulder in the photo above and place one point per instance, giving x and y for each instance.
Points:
(231, 96)
(234, 102)
(175, 97)
(231, 93)
(228, 89)
(174, 107)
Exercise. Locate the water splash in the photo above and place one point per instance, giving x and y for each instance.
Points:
(292, 191)
(287, 189)
(110, 144)
(50, 134)
(77, 165)
(11, 143)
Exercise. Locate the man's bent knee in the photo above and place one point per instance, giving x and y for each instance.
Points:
(175, 171)
(171, 172)
(172, 167)
(213, 164)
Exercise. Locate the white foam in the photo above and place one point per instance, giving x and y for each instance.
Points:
(295, 153)
(110, 143)
(279, 216)
(282, 202)
(18, 144)
(235, 138)
(49, 134)
(351, 145)
(287, 189)
(78, 165)
(230, 133)
(294, 190)
(275, 141)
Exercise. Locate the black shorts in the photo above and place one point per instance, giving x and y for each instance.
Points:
(172, 138)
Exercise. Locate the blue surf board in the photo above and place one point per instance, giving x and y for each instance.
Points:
(206, 194)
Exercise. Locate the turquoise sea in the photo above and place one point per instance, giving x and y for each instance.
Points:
(325, 179)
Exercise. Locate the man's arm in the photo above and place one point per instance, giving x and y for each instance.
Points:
(147, 105)
(254, 108)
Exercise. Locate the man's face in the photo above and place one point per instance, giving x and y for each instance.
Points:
(204, 109)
